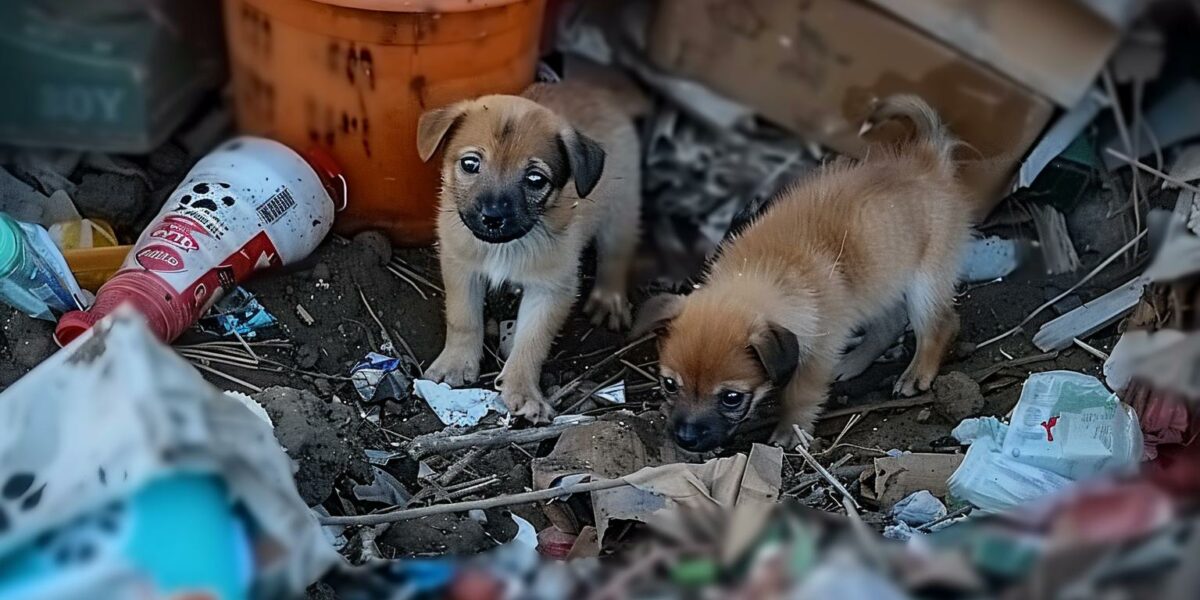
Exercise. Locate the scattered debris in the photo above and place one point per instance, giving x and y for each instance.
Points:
(304, 315)
(991, 258)
(377, 378)
(117, 430)
(896, 477)
(1093, 316)
(34, 276)
(459, 407)
(238, 314)
(918, 508)
(1066, 427)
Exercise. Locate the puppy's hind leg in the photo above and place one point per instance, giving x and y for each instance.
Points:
(930, 300)
(616, 242)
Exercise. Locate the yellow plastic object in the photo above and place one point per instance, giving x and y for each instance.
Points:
(85, 233)
(93, 266)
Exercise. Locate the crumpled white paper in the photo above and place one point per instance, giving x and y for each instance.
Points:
(117, 409)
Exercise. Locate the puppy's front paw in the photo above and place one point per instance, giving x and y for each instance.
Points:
(785, 437)
(610, 309)
(913, 382)
(454, 366)
(525, 400)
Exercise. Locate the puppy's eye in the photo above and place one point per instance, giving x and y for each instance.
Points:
(670, 386)
(535, 180)
(731, 399)
(469, 164)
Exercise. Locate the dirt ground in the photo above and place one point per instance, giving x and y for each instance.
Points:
(325, 430)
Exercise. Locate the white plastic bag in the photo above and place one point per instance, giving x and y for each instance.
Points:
(1066, 427)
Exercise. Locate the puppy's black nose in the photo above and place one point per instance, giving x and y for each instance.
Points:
(691, 435)
(492, 216)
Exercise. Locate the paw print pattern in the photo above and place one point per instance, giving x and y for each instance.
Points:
(85, 539)
(207, 196)
(19, 494)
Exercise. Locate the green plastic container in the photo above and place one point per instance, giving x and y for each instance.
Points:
(106, 75)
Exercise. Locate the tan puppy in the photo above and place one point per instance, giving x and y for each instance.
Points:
(836, 250)
(527, 183)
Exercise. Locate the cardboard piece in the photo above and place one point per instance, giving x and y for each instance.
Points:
(805, 65)
(895, 477)
(1053, 47)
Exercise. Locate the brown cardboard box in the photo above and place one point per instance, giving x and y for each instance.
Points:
(815, 65)
(1054, 47)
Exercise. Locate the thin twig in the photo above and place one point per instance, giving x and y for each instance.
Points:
(837, 485)
(1090, 349)
(467, 491)
(402, 277)
(506, 500)
(1147, 168)
(460, 465)
(956, 513)
(592, 392)
(242, 341)
(249, 386)
(574, 383)
(404, 267)
(1108, 261)
(850, 423)
(1126, 140)
(640, 371)
(438, 443)
(387, 337)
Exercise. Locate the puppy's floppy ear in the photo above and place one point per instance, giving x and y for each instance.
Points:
(778, 349)
(656, 313)
(586, 158)
(434, 125)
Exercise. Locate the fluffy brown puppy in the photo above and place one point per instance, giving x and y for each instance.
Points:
(527, 183)
(834, 251)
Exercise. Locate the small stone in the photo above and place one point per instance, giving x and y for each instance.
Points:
(924, 415)
(957, 396)
(375, 245)
(323, 387)
(307, 356)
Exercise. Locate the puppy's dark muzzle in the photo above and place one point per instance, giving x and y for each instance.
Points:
(497, 220)
(699, 434)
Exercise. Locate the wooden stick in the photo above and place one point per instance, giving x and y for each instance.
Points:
(506, 500)
(437, 443)
(984, 374)
(244, 384)
(837, 485)
(460, 465)
(1090, 349)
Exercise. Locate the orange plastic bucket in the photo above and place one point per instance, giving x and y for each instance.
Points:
(355, 75)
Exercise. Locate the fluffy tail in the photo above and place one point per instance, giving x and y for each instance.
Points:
(925, 121)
